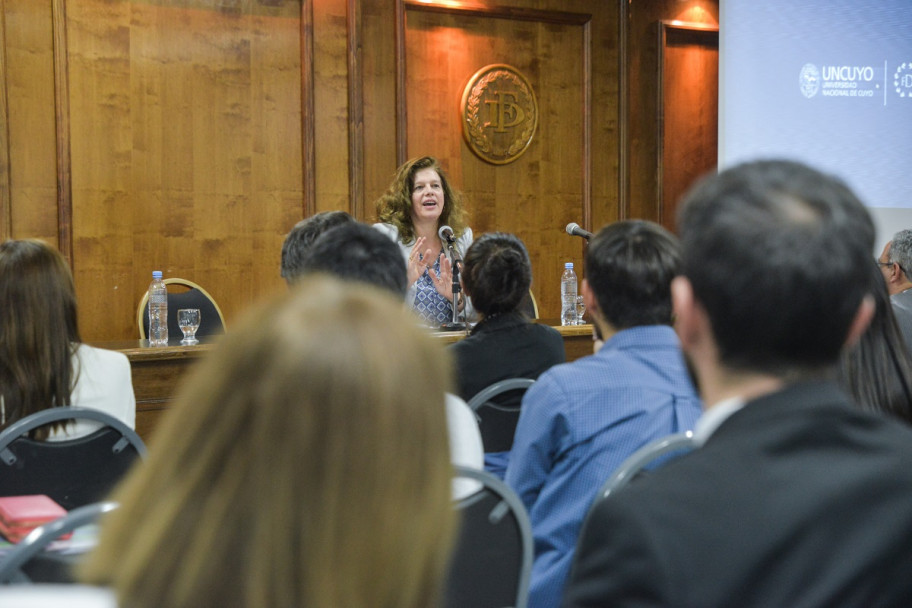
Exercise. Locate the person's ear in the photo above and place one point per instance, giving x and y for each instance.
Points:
(589, 298)
(863, 317)
(688, 315)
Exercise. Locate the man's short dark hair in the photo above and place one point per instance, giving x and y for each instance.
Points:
(357, 252)
(778, 255)
(629, 267)
(302, 237)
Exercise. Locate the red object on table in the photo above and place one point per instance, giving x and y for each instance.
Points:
(19, 515)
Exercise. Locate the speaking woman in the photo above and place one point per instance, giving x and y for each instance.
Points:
(418, 203)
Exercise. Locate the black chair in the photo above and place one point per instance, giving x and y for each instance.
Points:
(73, 472)
(14, 566)
(492, 562)
(651, 455)
(496, 421)
(211, 320)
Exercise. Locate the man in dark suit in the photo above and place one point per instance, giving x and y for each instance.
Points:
(795, 497)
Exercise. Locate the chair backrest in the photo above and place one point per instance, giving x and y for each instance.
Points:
(492, 562)
(211, 319)
(11, 565)
(654, 453)
(497, 422)
(529, 306)
(74, 472)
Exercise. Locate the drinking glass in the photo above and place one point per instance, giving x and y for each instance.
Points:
(580, 310)
(188, 319)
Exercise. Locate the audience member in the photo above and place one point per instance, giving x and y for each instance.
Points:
(877, 371)
(418, 203)
(302, 236)
(796, 497)
(504, 344)
(356, 252)
(580, 420)
(896, 263)
(281, 476)
(43, 362)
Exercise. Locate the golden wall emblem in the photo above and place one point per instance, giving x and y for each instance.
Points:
(499, 113)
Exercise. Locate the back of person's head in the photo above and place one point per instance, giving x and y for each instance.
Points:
(302, 237)
(629, 267)
(901, 251)
(877, 371)
(497, 273)
(38, 330)
(281, 477)
(357, 252)
(778, 256)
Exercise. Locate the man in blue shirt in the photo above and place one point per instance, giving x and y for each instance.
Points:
(581, 420)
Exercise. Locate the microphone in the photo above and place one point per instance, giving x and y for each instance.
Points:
(573, 229)
(446, 234)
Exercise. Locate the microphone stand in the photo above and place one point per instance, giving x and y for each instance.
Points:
(455, 324)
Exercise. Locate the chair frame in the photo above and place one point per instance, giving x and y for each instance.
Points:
(640, 459)
(39, 538)
(501, 386)
(55, 414)
(514, 504)
(141, 309)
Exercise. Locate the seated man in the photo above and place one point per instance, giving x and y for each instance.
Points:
(356, 252)
(796, 498)
(896, 263)
(582, 419)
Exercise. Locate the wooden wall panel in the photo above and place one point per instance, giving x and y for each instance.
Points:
(331, 104)
(643, 117)
(547, 187)
(688, 117)
(186, 146)
(29, 85)
(378, 20)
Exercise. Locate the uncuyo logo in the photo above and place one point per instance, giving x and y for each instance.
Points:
(809, 80)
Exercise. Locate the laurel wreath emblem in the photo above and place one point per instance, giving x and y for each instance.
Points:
(491, 78)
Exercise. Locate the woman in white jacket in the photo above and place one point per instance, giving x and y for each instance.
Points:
(42, 360)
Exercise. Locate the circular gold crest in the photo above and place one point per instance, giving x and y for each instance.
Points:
(499, 113)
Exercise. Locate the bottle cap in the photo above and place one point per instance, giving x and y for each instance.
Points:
(156, 274)
(568, 265)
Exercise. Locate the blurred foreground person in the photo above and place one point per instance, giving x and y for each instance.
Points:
(282, 478)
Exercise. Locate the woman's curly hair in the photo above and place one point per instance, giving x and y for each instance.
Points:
(395, 206)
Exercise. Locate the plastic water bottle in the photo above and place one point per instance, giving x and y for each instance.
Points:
(568, 295)
(158, 311)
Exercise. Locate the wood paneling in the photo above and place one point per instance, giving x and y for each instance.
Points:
(29, 86)
(5, 219)
(643, 125)
(200, 131)
(688, 117)
(186, 150)
(548, 186)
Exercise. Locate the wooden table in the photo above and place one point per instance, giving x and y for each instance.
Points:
(157, 370)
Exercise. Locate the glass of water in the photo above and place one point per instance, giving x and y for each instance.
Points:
(580, 310)
(188, 319)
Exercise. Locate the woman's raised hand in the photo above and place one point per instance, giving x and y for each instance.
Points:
(418, 262)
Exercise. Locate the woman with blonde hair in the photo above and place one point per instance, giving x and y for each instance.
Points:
(43, 362)
(282, 477)
(418, 203)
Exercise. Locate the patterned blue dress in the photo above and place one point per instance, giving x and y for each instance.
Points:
(429, 304)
